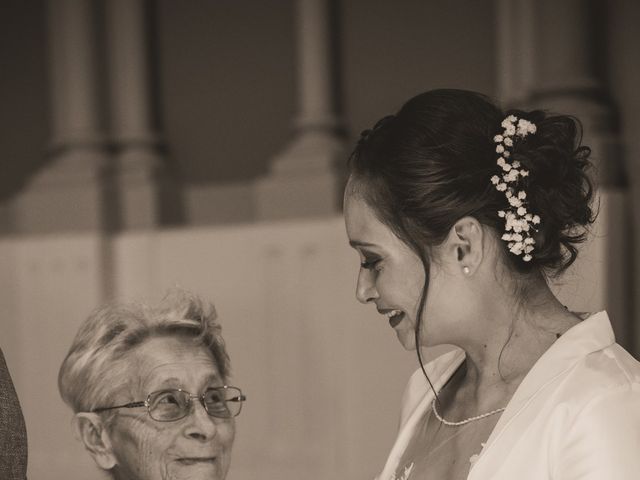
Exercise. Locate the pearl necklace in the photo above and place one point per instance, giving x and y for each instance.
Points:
(466, 420)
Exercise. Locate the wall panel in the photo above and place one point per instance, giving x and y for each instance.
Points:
(323, 373)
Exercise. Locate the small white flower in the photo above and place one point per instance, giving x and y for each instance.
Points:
(508, 142)
(529, 241)
(515, 202)
(510, 130)
(499, 149)
(506, 236)
(524, 173)
(501, 187)
(522, 194)
(495, 180)
(498, 138)
(506, 154)
(527, 258)
(535, 220)
(522, 211)
(501, 213)
(525, 127)
(515, 164)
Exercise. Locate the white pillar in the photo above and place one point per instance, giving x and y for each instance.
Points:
(316, 66)
(304, 179)
(68, 194)
(138, 160)
(555, 65)
(515, 50)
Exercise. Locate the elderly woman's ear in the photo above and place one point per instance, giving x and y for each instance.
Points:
(95, 436)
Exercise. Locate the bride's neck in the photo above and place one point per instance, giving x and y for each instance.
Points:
(516, 338)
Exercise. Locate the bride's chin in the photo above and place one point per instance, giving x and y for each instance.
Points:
(407, 339)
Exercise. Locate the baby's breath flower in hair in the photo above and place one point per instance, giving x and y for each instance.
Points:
(519, 222)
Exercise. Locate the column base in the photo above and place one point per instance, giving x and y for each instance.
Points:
(7, 218)
(296, 196)
(68, 195)
(141, 184)
(305, 180)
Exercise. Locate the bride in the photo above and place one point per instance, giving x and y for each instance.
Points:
(460, 213)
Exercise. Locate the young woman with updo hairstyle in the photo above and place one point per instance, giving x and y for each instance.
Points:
(460, 213)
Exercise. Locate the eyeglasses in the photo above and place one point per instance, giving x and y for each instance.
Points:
(173, 404)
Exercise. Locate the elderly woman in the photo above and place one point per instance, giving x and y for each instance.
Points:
(148, 386)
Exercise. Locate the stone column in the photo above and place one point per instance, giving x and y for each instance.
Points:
(515, 50)
(304, 180)
(568, 76)
(556, 63)
(138, 159)
(68, 193)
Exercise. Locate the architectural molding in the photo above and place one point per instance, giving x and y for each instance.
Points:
(69, 192)
(303, 179)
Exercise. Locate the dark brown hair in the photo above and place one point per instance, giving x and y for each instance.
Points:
(429, 165)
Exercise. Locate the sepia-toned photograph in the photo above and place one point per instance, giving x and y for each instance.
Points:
(319, 239)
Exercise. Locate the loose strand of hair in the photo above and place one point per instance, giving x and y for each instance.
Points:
(417, 330)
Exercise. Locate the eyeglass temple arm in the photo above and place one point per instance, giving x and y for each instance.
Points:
(127, 405)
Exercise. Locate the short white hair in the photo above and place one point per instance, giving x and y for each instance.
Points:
(94, 370)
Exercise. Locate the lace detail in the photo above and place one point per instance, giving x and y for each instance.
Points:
(405, 474)
(474, 458)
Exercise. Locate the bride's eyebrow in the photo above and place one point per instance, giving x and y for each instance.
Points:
(358, 243)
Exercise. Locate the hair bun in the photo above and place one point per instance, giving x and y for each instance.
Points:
(559, 188)
(434, 162)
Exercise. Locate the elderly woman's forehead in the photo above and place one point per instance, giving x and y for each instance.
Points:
(164, 358)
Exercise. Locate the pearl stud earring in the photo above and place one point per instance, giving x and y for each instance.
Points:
(466, 270)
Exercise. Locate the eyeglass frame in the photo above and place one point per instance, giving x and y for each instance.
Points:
(241, 398)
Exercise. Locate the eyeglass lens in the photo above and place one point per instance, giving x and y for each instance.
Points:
(170, 405)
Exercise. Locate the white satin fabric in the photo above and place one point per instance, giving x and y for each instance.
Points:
(576, 414)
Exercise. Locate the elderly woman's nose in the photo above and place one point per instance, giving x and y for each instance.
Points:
(201, 426)
(365, 289)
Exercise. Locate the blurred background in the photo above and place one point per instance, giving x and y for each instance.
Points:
(202, 144)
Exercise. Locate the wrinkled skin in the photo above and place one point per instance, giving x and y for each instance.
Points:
(197, 447)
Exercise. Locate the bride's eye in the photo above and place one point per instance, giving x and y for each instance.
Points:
(370, 264)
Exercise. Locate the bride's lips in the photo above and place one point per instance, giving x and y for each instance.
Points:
(394, 316)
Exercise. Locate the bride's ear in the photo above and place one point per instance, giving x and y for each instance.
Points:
(466, 245)
(95, 436)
